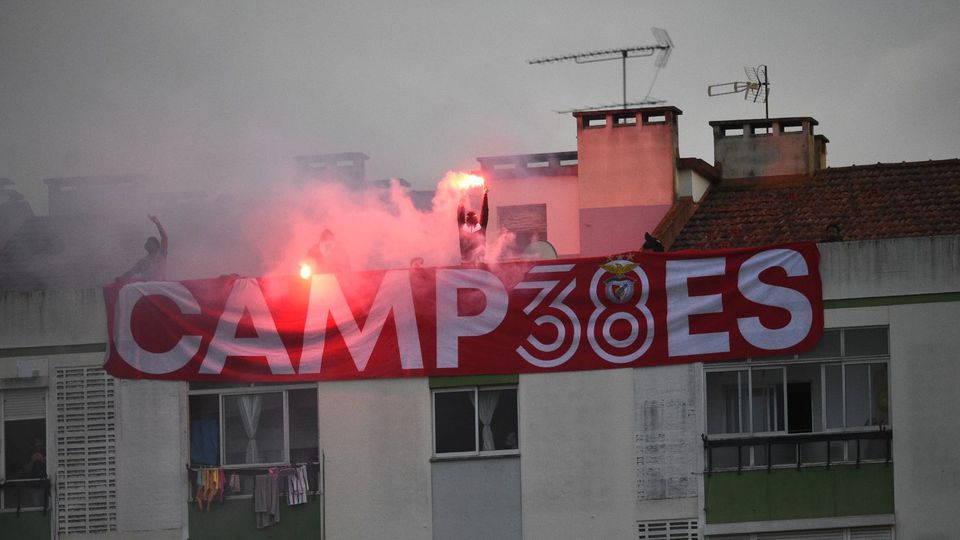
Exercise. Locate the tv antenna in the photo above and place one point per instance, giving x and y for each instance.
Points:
(755, 88)
(662, 49)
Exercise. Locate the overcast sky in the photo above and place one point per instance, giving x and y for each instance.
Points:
(222, 94)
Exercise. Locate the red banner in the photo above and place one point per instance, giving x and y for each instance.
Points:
(633, 310)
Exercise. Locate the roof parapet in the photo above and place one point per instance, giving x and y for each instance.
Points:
(529, 165)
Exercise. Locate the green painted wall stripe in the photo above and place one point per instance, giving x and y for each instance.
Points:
(811, 492)
(235, 519)
(891, 300)
(29, 525)
(473, 380)
(53, 349)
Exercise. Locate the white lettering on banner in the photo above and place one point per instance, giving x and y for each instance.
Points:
(801, 312)
(394, 295)
(680, 306)
(246, 297)
(570, 318)
(451, 326)
(127, 346)
(580, 314)
(606, 334)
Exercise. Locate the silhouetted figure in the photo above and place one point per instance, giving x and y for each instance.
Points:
(650, 243)
(832, 233)
(37, 466)
(153, 266)
(327, 256)
(473, 231)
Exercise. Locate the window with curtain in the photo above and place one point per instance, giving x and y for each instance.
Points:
(475, 421)
(252, 426)
(245, 426)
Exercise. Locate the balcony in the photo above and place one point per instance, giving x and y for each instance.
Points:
(820, 449)
(800, 476)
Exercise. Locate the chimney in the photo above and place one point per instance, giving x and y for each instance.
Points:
(768, 147)
(627, 175)
(347, 168)
(93, 195)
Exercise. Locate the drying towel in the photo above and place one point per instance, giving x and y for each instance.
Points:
(297, 486)
(266, 500)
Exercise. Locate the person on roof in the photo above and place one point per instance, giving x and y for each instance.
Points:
(650, 243)
(153, 265)
(473, 231)
(327, 256)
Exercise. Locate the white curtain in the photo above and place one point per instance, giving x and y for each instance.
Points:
(249, 407)
(488, 404)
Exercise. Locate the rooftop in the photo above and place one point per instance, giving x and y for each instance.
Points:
(886, 200)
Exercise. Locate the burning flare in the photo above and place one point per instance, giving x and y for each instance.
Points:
(305, 270)
(465, 181)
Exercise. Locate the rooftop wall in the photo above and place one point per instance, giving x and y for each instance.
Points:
(890, 267)
(768, 147)
(52, 317)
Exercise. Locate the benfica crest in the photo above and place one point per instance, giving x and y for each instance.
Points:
(622, 285)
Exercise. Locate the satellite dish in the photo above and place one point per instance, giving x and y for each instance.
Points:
(541, 250)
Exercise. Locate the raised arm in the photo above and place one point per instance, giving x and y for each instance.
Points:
(163, 235)
(484, 210)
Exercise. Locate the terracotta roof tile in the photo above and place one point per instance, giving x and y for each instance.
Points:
(886, 200)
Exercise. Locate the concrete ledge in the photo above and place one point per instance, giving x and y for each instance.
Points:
(799, 524)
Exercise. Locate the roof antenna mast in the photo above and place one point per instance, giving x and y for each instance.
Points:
(755, 88)
(663, 48)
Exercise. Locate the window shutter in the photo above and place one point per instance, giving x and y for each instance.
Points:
(24, 404)
(872, 533)
(86, 450)
(685, 529)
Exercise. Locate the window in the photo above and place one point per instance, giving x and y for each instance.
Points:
(841, 385)
(653, 118)
(23, 434)
(594, 121)
(528, 223)
(791, 127)
(253, 426)
(475, 421)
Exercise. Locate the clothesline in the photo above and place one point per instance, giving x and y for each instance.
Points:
(253, 471)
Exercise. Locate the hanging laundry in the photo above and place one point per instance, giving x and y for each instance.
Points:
(297, 486)
(209, 486)
(235, 487)
(266, 500)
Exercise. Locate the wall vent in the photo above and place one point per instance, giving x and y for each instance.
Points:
(872, 533)
(86, 489)
(683, 529)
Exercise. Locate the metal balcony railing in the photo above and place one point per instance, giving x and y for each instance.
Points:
(16, 489)
(798, 441)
